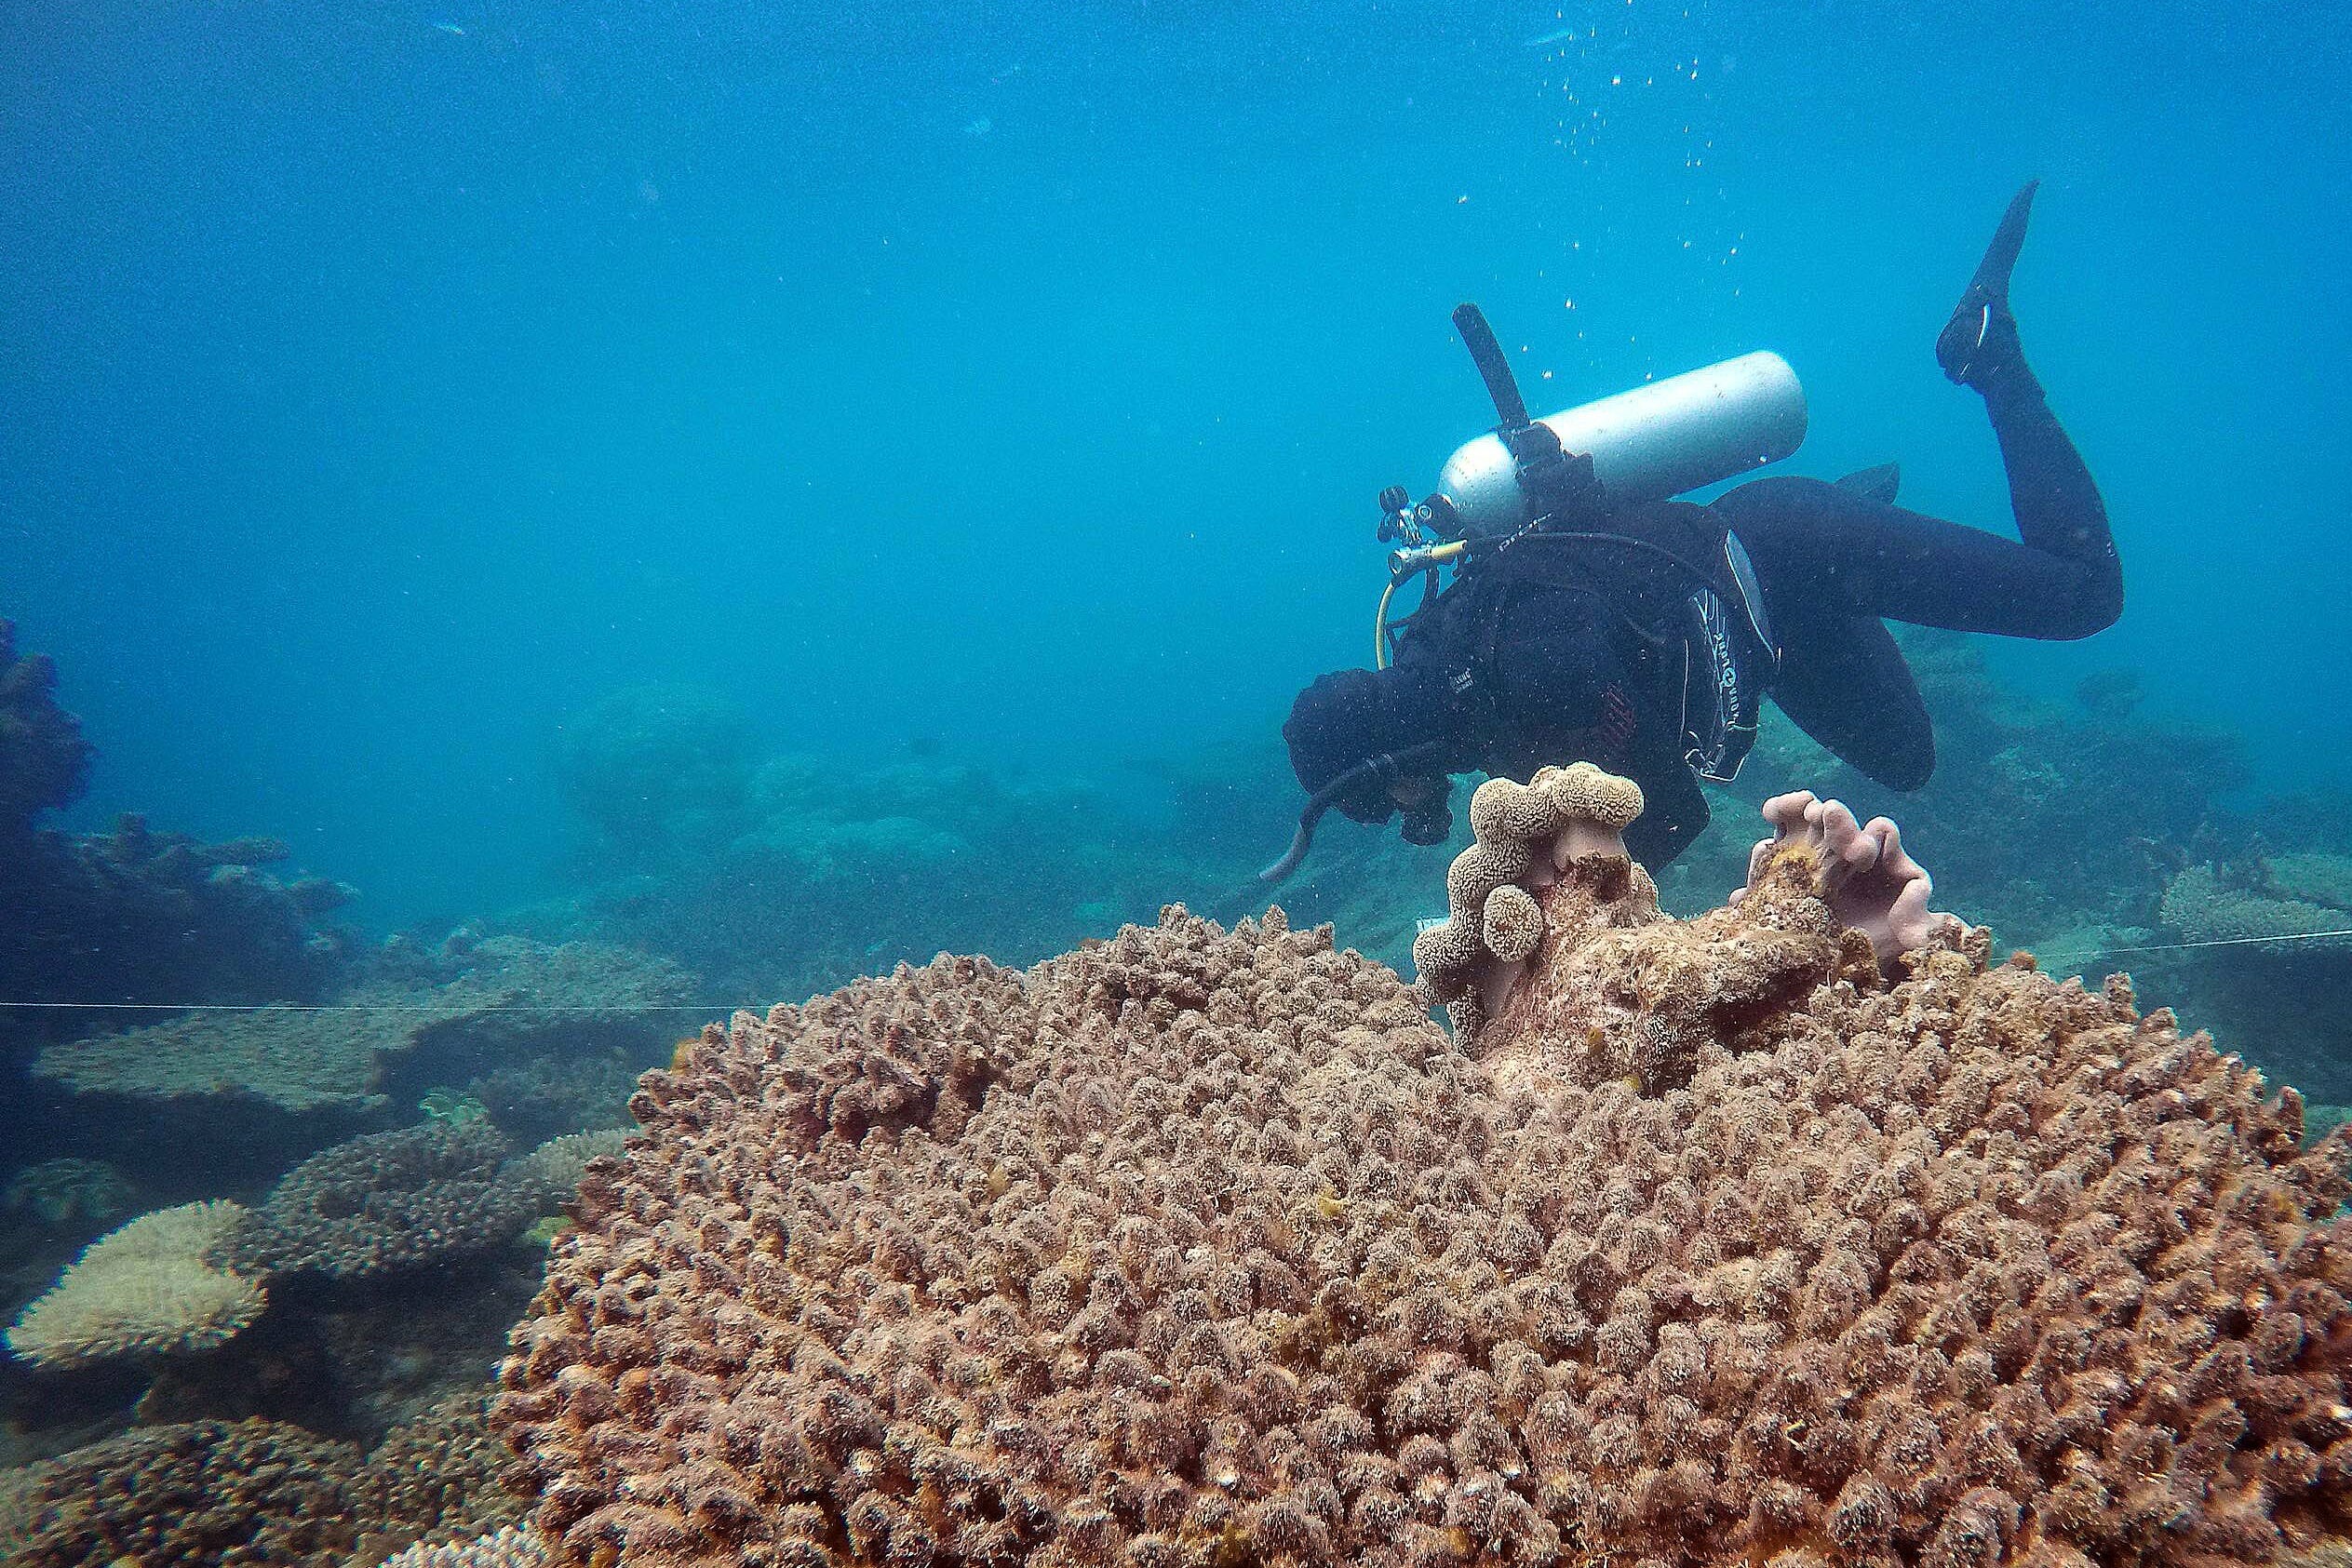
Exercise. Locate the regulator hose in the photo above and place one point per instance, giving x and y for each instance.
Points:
(1388, 767)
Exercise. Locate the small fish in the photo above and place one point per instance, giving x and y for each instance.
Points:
(448, 27)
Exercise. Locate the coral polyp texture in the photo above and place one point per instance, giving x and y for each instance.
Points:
(1720, 1243)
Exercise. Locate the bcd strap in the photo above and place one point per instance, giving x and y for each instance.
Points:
(1729, 658)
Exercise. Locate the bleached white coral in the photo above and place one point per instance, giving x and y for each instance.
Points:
(144, 1289)
(514, 1546)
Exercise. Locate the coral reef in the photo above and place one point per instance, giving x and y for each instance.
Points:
(253, 1493)
(385, 1201)
(58, 1193)
(568, 1086)
(274, 1077)
(511, 1546)
(825, 871)
(148, 1288)
(266, 1493)
(297, 1060)
(45, 762)
(134, 916)
(434, 1481)
(1207, 1247)
(656, 772)
(2203, 906)
(551, 1173)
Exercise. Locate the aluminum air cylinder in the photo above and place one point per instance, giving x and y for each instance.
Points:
(1655, 441)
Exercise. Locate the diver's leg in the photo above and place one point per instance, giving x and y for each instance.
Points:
(2050, 491)
(1845, 683)
(1818, 548)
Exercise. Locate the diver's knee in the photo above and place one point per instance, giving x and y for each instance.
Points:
(1908, 760)
(2088, 612)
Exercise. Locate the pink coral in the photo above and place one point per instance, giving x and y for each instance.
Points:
(1868, 880)
(1719, 1245)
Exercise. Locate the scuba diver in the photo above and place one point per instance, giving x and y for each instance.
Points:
(1591, 617)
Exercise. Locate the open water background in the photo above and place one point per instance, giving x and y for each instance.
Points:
(381, 384)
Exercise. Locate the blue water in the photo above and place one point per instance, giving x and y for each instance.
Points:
(382, 383)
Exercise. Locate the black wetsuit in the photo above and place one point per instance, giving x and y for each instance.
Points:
(1547, 652)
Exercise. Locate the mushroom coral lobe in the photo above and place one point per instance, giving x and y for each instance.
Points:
(1207, 1247)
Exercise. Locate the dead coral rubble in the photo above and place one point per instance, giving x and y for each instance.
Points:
(1200, 1247)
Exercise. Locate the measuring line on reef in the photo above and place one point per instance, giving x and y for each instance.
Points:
(737, 1007)
(2182, 946)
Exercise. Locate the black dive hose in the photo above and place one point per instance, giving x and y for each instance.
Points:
(1387, 768)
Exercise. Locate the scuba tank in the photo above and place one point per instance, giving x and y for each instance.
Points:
(1654, 441)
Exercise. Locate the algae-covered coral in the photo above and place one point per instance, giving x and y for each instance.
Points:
(1204, 1246)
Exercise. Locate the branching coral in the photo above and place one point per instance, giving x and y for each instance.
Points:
(146, 1289)
(1205, 1247)
(385, 1201)
(257, 1493)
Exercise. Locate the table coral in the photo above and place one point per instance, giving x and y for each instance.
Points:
(1718, 1244)
(302, 1060)
(385, 1201)
(2204, 906)
(146, 1289)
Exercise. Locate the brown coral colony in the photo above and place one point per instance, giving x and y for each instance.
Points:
(1712, 1242)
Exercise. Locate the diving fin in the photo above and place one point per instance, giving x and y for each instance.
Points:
(1973, 319)
(1874, 483)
